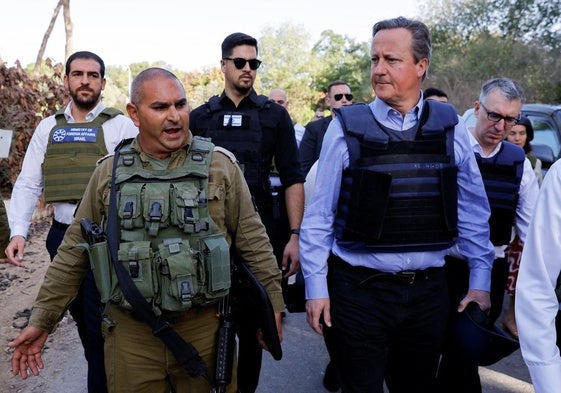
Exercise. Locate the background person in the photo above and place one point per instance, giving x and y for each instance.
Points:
(511, 188)
(432, 93)
(58, 163)
(385, 296)
(278, 96)
(160, 109)
(338, 95)
(258, 132)
(537, 306)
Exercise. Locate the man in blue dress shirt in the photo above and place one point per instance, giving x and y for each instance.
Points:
(397, 185)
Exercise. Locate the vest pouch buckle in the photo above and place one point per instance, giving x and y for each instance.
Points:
(137, 258)
(129, 209)
(185, 208)
(177, 275)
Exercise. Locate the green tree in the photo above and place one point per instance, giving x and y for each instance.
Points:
(481, 39)
(287, 64)
(343, 58)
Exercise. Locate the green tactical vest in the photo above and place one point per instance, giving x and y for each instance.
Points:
(72, 153)
(170, 246)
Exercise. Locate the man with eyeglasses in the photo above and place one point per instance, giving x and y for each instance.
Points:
(338, 95)
(512, 191)
(257, 131)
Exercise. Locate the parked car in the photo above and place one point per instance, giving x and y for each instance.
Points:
(546, 120)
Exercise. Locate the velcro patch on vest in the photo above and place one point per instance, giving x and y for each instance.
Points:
(227, 153)
(75, 134)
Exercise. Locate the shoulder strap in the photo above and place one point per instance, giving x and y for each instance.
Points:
(184, 352)
(359, 125)
(444, 118)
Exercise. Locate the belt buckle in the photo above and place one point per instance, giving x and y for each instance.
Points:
(408, 276)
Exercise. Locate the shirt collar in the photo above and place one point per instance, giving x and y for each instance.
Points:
(89, 117)
(252, 97)
(476, 147)
(176, 156)
(391, 118)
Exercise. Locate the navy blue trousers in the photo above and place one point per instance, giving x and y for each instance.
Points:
(86, 311)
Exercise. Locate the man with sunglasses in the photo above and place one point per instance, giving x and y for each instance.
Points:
(338, 95)
(257, 131)
(512, 191)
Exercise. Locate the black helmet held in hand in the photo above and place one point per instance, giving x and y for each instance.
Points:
(476, 337)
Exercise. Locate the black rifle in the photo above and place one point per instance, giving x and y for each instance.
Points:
(226, 342)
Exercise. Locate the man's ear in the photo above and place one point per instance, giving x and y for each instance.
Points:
(133, 113)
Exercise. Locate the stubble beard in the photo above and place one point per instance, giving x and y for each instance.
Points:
(87, 103)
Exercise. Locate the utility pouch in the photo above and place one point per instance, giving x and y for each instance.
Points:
(100, 264)
(216, 256)
(178, 271)
(136, 257)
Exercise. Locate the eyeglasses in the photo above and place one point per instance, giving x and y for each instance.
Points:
(339, 97)
(239, 62)
(496, 117)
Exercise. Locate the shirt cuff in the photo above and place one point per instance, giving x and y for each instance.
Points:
(316, 287)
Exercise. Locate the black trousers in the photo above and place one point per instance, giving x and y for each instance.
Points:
(384, 328)
(86, 311)
(455, 373)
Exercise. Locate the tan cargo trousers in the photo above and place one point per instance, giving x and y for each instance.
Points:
(138, 362)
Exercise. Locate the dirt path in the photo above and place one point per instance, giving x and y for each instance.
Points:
(18, 288)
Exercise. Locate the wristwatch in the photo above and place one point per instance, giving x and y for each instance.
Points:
(295, 231)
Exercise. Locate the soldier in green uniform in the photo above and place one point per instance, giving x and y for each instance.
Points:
(153, 224)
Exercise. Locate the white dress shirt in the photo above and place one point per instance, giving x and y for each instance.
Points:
(29, 184)
(536, 303)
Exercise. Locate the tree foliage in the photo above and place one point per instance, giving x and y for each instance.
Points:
(481, 39)
(24, 100)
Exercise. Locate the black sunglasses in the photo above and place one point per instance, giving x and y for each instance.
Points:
(239, 62)
(339, 97)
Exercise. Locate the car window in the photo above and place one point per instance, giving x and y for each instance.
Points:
(545, 134)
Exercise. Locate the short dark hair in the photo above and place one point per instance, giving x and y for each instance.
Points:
(237, 39)
(85, 55)
(137, 92)
(433, 91)
(421, 44)
(336, 83)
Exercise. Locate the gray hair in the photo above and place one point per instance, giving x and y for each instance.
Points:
(421, 44)
(509, 89)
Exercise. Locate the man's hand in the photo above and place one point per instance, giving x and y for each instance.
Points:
(480, 297)
(14, 250)
(314, 310)
(278, 322)
(291, 253)
(27, 351)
